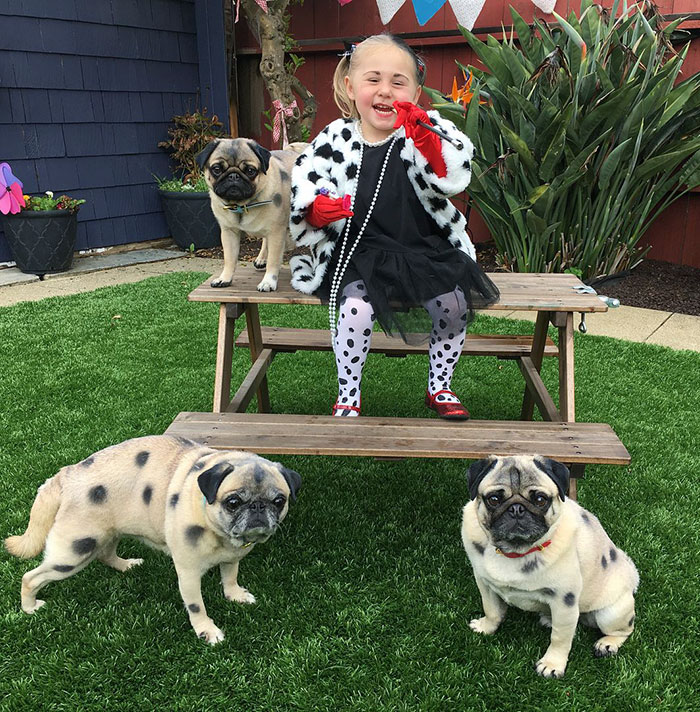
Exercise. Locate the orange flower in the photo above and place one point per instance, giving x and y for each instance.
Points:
(465, 94)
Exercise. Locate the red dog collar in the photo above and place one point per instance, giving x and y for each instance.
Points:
(513, 555)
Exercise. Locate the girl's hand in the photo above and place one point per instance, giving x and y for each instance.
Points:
(325, 210)
(407, 114)
(428, 143)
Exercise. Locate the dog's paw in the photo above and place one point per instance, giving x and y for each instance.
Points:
(116, 562)
(485, 626)
(545, 621)
(34, 607)
(130, 563)
(239, 595)
(267, 284)
(551, 666)
(208, 632)
(259, 265)
(219, 282)
(606, 646)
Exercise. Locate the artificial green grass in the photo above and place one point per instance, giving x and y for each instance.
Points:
(365, 595)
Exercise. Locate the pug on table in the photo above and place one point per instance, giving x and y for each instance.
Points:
(249, 189)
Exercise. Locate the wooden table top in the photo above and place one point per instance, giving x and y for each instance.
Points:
(525, 292)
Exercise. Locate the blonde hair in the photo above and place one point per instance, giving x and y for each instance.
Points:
(349, 61)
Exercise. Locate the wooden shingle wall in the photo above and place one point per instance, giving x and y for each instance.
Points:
(87, 89)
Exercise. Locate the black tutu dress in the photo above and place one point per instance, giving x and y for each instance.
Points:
(401, 257)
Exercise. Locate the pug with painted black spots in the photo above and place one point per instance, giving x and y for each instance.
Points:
(249, 189)
(202, 506)
(532, 548)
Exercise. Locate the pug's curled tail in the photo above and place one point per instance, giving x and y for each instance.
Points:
(41, 519)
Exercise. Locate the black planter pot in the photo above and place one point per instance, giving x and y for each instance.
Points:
(190, 219)
(41, 241)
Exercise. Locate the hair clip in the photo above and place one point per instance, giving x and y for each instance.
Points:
(349, 49)
(421, 68)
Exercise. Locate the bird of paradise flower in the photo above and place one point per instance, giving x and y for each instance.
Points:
(465, 94)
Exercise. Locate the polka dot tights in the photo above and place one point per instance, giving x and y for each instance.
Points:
(354, 335)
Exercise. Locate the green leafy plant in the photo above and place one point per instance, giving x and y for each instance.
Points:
(189, 134)
(295, 61)
(48, 201)
(179, 186)
(583, 137)
(268, 119)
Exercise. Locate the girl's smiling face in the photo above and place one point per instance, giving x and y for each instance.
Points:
(381, 76)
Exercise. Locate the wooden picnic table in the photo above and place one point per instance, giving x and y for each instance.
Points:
(552, 296)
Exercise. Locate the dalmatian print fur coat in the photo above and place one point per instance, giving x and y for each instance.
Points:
(331, 161)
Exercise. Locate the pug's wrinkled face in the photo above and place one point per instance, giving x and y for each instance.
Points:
(518, 498)
(248, 499)
(235, 169)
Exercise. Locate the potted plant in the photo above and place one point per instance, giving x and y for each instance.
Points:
(40, 230)
(185, 196)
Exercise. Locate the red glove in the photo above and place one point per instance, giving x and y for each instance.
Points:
(427, 142)
(325, 210)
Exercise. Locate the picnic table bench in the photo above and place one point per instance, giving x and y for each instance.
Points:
(552, 296)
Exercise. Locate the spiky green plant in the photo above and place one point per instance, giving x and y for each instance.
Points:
(582, 136)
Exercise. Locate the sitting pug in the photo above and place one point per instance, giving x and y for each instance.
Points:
(249, 189)
(532, 548)
(202, 506)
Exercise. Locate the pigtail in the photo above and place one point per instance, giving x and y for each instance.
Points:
(340, 95)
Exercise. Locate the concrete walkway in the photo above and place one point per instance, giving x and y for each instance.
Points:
(677, 331)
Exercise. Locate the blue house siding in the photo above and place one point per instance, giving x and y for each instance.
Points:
(87, 90)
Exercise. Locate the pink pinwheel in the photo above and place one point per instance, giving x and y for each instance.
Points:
(11, 198)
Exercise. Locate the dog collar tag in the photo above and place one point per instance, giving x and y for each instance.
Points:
(245, 208)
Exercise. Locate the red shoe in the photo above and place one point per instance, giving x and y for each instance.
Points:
(346, 407)
(449, 411)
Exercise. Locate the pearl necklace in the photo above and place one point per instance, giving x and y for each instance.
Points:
(342, 266)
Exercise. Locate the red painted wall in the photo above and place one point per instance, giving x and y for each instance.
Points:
(319, 26)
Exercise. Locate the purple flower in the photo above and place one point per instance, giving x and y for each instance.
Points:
(11, 198)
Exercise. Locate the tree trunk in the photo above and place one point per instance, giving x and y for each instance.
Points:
(270, 29)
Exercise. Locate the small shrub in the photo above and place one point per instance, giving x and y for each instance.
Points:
(48, 201)
(190, 133)
(178, 186)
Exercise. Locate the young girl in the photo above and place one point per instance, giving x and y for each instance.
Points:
(370, 200)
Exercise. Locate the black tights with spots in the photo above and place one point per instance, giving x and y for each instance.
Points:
(352, 342)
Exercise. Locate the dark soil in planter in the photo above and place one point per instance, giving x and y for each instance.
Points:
(651, 285)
